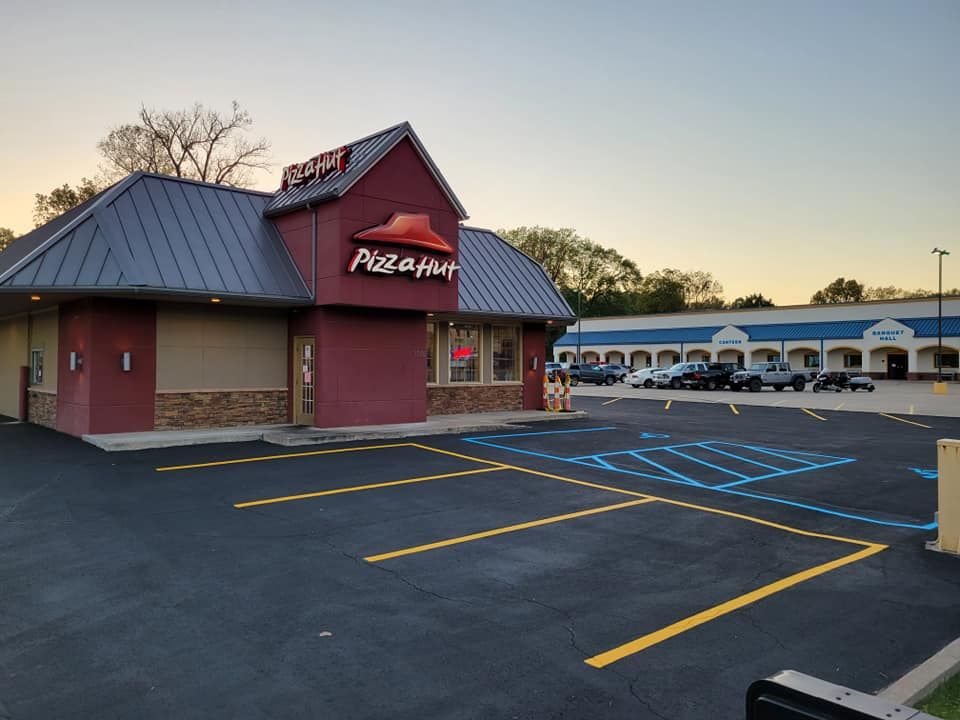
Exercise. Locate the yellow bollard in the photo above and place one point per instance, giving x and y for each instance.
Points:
(546, 406)
(948, 497)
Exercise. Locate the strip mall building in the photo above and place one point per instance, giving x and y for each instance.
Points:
(886, 340)
(353, 295)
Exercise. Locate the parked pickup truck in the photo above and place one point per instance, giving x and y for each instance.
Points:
(599, 374)
(715, 377)
(673, 377)
(776, 374)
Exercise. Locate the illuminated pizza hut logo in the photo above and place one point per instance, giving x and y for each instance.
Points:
(404, 229)
(316, 167)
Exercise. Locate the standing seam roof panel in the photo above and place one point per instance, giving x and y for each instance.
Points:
(155, 238)
(183, 254)
(212, 261)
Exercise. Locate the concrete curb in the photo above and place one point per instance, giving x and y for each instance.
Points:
(920, 682)
(292, 436)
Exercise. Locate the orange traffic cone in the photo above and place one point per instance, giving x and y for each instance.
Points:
(567, 400)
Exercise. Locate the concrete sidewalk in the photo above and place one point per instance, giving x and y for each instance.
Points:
(293, 435)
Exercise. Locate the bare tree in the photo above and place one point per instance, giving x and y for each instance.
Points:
(196, 143)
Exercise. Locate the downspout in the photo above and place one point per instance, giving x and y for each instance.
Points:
(313, 252)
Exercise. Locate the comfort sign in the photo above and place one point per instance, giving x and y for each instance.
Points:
(405, 229)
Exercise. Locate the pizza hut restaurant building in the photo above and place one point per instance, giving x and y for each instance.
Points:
(353, 295)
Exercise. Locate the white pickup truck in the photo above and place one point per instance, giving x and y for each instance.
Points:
(777, 375)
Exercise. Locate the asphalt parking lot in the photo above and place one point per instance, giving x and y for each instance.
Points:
(648, 562)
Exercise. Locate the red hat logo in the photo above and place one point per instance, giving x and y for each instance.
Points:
(407, 229)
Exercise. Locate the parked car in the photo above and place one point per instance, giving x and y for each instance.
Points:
(673, 377)
(599, 374)
(621, 370)
(552, 369)
(573, 370)
(643, 377)
(715, 377)
(774, 374)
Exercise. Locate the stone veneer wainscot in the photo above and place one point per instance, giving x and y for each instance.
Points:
(455, 399)
(219, 408)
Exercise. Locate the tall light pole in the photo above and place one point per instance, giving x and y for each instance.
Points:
(940, 253)
(579, 314)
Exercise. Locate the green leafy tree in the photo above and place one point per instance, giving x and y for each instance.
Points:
(756, 300)
(7, 236)
(840, 290)
(663, 291)
(701, 291)
(48, 206)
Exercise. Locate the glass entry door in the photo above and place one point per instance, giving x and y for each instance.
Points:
(304, 361)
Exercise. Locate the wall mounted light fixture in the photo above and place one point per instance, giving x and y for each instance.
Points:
(76, 361)
(126, 361)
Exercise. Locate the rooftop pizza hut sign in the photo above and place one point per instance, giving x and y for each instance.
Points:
(404, 229)
(314, 168)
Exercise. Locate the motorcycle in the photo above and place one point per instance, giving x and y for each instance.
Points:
(838, 382)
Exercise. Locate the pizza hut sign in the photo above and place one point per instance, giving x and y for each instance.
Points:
(314, 168)
(404, 229)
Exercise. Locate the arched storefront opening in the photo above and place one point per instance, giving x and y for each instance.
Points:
(730, 356)
(698, 355)
(804, 358)
(566, 357)
(928, 359)
(761, 355)
(666, 358)
(614, 356)
(891, 362)
(640, 359)
(590, 356)
(849, 359)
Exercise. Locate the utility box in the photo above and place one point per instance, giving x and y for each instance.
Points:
(948, 497)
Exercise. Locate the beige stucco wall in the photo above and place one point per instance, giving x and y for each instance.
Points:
(219, 348)
(44, 334)
(13, 356)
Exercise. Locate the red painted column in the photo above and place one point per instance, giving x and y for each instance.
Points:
(534, 346)
(98, 396)
(22, 393)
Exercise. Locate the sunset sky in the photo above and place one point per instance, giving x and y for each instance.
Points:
(778, 145)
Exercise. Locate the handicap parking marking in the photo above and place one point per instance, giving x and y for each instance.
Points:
(926, 474)
(599, 462)
(608, 657)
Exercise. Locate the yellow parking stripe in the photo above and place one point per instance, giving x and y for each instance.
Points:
(908, 422)
(610, 402)
(358, 488)
(667, 406)
(502, 531)
(733, 409)
(839, 406)
(813, 414)
(705, 616)
(287, 456)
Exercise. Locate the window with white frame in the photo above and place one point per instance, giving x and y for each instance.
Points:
(36, 366)
(464, 352)
(506, 353)
(853, 360)
(431, 352)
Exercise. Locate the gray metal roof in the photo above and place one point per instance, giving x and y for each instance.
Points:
(364, 154)
(155, 233)
(498, 279)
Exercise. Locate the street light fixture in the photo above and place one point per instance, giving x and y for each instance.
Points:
(940, 253)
